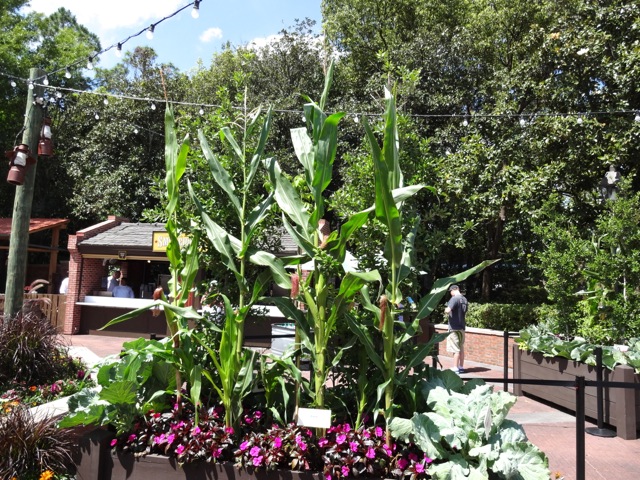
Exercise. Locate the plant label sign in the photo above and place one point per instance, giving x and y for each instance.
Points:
(314, 417)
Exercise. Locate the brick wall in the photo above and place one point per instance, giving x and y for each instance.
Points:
(85, 275)
(481, 345)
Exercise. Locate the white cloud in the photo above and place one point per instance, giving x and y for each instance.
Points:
(260, 42)
(211, 34)
(100, 17)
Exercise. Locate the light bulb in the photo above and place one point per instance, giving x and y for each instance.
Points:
(59, 94)
(135, 130)
(465, 123)
(45, 80)
(97, 116)
(153, 106)
(67, 73)
(119, 50)
(356, 119)
(90, 63)
(105, 101)
(637, 119)
(13, 83)
(195, 12)
(150, 32)
(30, 85)
(523, 122)
(579, 120)
(201, 111)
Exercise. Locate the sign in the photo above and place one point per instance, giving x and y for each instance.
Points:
(122, 255)
(161, 241)
(314, 417)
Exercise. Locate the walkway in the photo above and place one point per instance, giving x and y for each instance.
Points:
(550, 429)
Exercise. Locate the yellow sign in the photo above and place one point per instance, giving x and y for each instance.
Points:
(161, 241)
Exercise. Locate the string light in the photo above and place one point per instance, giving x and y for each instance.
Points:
(90, 63)
(201, 111)
(579, 120)
(523, 122)
(195, 11)
(465, 123)
(13, 83)
(153, 106)
(45, 81)
(150, 31)
(30, 85)
(105, 100)
(97, 116)
(67, 72)
(637, 117)
(119, 50)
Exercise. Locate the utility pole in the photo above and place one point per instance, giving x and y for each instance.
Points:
(19, 241)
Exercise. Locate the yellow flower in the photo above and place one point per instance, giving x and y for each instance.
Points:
(46, 475)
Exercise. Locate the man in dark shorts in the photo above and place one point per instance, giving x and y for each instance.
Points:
(457, 311)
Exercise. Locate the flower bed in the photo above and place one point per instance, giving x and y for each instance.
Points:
(621, 406)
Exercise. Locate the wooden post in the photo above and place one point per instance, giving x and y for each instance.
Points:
(19, 240)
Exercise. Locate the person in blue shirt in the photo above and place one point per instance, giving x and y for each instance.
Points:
(123, 290)
(457, 311)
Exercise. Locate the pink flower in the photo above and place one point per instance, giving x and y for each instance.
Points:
(378, 432)
(371, 453)
(419, 468)
(255, 451)
(345, 471)
(388, 450)
(159, 439)
(427, 459)
(244, 445)
(176, 406)
(257, 461)
(170, 438)
(346, 427)
(228, 430)
(114, 442)
(366, 434)
(196, 430)
(353, 446)
(131, 438)
(327, 476)
(248, 420)
(179, 449)
(301, 443)
(341, 438)
(402, 463)
(322, 442)
(277, 442)
(258, 414)
(217, 452)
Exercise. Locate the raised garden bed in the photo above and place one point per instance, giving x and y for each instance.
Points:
(621, 405)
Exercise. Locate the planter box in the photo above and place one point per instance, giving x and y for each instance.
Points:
(621, 405)
(96, 461)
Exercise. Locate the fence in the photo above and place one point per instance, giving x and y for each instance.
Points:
(54, 306)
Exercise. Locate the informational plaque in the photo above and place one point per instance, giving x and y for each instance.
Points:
(314, 417)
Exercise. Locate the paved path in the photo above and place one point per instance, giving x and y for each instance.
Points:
(550, 429)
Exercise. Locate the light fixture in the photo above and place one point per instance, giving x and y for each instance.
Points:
(90, 63)
(97, 116)
(201, 111)
(67, 73)
(119, 50)
(19, 158)
(45, 81)
(153, 106)
(195, 12)
(30, 85)
(58, 94)
(105, 100)
(523, 122)
(356, 119)
(135, 130)
(579, 120)
(150, 31)
(465, 123)
(45, 145)
(637, 118)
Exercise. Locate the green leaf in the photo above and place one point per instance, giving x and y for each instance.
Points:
(259, 150)
(123, 392)
(280, 275)
(288, 199)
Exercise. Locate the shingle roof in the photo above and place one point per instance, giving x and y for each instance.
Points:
(134, 235)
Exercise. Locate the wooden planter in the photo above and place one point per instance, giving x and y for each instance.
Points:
(621, 405)
(95, 461)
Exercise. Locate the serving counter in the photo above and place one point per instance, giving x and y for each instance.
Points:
(98, 310)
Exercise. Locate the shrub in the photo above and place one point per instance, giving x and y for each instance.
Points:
(496, 316)
(31, 351)
(32, 447)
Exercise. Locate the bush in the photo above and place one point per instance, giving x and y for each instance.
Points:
(497, 316)
(31, 351)
(32, 447)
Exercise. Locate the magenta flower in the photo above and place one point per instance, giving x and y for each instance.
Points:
(345, 471)
(353, 446)
(427, 459)
(371, 453)
(346, 427)
(366, 434)
(114, 442)
(258, 414)
(179, 449)
(196, 430)
(277, 442)
(244, 445)
(257, 461)
(131, 438)
(419, 468)
(327, 476)
(378, 432)
(341, 438)
(248, 420)
(255, 451)
(216, 452)
(301, 443)
(228, 430)
(322, 442)
(170, 438)
(159, 439)
(403, 463)
(388, 450)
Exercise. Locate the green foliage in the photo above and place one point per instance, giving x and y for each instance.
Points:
(466, 433)
(32, 446)
(500, 316)
(539, 338)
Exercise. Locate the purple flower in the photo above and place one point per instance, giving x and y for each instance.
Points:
(217, 452)
(257, 461)
(81, 374)
(378, 432)
(366, 434)
(419, 467)
(132, 437)
(258, 414)
(248, 420)
(388, 450)
(346, 427)
(371, 453)
(179, 449)
(341, 438)
(159, 439)
(277, 442)
(244, 445)
(345, 471)
(114, 442)
(322, 442)
(353, 446)
(427, 459)
(170, 438)
(196, 431)
(228, 430)
(301, 443)
(255, 451)
(403, 463)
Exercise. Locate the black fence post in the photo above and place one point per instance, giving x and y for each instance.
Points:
(505, 361)
(600, 431)
(580, 443)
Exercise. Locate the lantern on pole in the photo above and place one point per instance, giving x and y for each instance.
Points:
(19, 159)
(45, 145)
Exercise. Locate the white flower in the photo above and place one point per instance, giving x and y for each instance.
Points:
(582, 51)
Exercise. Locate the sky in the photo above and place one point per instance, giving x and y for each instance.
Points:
(182, 40)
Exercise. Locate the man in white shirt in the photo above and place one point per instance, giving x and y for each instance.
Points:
(113, 280)
(64, 286)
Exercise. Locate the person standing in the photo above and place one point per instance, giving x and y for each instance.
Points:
(123, 290)
(64, 285)
(113, 281)
(457, 311)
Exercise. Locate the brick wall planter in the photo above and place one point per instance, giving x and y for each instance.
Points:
(621, 406)
(95, 461)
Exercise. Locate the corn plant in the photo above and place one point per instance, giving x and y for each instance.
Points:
(234, 363)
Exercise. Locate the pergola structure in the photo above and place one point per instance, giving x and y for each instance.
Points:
(38, 225)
